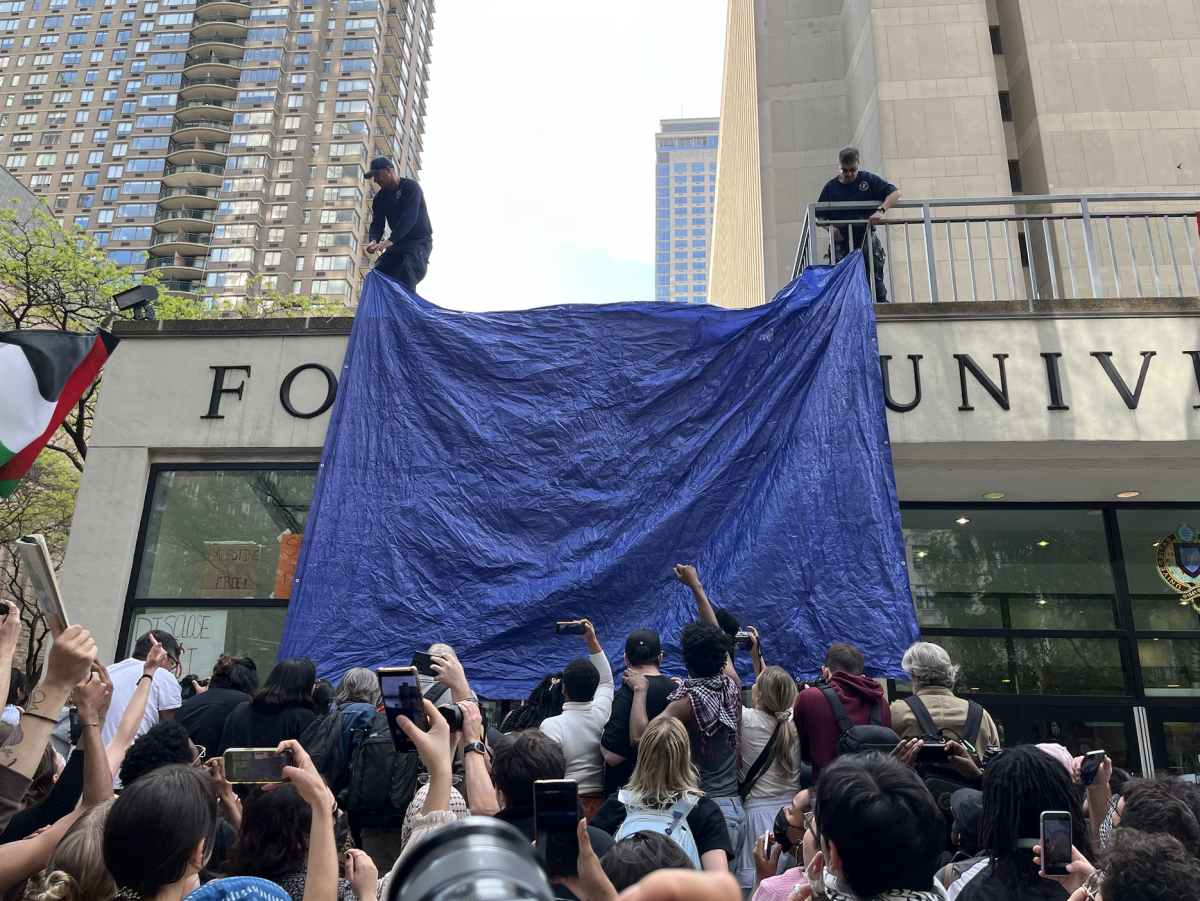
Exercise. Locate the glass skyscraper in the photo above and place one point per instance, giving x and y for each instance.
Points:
(686, 191)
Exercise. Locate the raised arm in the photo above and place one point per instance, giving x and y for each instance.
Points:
(477, 781)
(70, 659)
(321, 880)
(132, 718)
(605, 690)
(10, 634)
(689, 577)
(91, 702)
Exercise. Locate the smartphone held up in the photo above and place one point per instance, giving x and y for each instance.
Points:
(571, 628)
(556, 821)
(255, 766)
(1090, 766)
(1056, 842)
(400, 688)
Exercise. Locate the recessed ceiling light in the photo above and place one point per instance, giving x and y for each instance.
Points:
(1006, 680)
(1172, 686)
(1128, 493)
(920, 553)
(1042, 543)
(994, 495)
(962, 520)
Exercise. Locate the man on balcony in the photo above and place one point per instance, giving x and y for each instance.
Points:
(878, 195)
(400, 203)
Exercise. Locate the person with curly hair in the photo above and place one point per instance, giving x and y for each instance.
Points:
(708, 702)
(1138, 866)
(164, 744)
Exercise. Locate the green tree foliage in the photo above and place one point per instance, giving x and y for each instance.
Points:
(53, 276)
(43, 502)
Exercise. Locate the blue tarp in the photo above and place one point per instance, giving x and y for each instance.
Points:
(487, 474)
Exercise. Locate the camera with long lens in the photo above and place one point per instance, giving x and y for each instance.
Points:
(472, 859)
(453, 715)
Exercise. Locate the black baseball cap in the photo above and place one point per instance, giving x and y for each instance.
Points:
(967, 806)
(380, 162)
(643, 640)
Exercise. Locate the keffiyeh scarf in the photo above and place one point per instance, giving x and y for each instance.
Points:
(839, 890)
(715, 703)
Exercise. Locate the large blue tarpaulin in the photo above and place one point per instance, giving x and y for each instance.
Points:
(487, 474)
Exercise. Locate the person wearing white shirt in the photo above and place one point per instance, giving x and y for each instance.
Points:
(587, 688)
(165, 696)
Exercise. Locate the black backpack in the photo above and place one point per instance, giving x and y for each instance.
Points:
(382, 782)
(874, 736)
(323, 742)
(942, 779)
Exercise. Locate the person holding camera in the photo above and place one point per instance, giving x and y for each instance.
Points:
(861, 698)
(587, 687)
(933, 702)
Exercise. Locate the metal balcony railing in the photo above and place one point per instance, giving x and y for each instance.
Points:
(180, 284)
(202, 123)
(214, 193)
(200, 3)
(200, 168)
(218, 38)
(208, 80)
(205, 101)
(224, 20)
(185, 213)
(177, 260)
(206, 146)
(181, 238)
(213, 59)
(1020, 247)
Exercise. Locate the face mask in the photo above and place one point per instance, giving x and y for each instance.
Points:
(816, 878)
(781, 831)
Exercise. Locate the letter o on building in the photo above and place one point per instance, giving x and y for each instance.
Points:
(285, 390)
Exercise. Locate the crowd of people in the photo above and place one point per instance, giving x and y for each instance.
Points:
(113, 784)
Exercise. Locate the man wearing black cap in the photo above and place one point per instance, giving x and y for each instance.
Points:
(643, 654)
(401, 204)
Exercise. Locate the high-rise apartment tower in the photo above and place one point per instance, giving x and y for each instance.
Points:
(214, 140)
(686, 189)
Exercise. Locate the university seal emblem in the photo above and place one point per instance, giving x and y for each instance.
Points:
(1178, 562)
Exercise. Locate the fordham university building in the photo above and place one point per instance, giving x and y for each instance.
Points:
(1041, 354)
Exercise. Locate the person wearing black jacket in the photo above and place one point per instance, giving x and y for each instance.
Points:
(233, 681)
(282, 709)
(400, 203)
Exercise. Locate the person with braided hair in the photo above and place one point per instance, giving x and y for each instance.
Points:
(771, 783)
(1018, 785)
(546, 700)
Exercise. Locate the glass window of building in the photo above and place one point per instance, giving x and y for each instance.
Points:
(217, 559)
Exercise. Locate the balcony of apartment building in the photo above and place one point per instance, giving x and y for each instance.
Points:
(213, 63)
(219, 86)
(178, 266)
(222, 7)
(1024, 251)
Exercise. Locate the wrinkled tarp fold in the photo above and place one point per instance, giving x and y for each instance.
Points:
(487, 474)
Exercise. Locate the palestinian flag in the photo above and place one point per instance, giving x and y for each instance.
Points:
(43, 374)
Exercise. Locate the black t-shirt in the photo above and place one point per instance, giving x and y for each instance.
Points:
(706, 822)
(616, 730)
(868, 187)
(204, 715)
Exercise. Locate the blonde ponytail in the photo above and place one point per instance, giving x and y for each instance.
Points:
(778, 693)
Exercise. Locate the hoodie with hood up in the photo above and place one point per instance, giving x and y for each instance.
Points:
(818, 727)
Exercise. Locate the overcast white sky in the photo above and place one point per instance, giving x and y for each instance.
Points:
(539, 143)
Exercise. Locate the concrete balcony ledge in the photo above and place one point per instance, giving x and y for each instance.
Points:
(1044, 308)
(229, 328)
